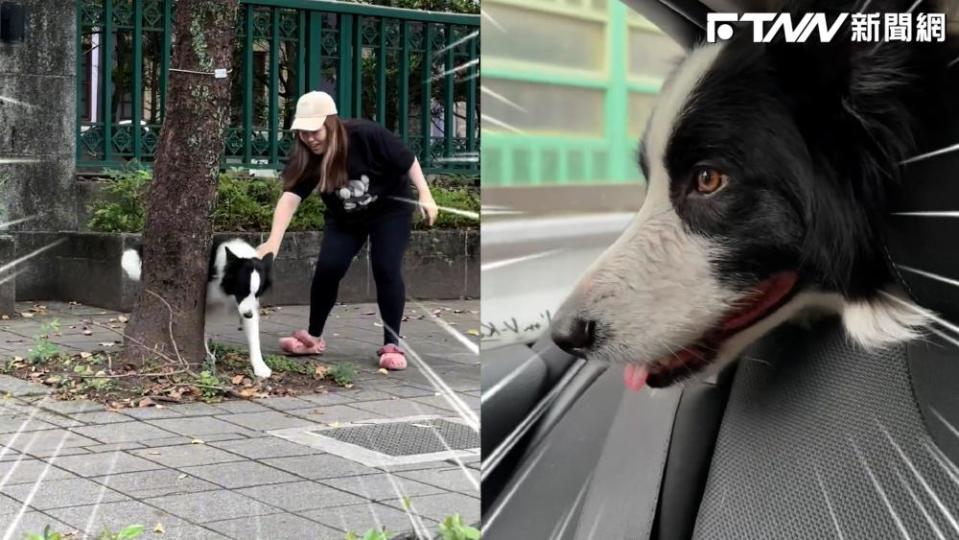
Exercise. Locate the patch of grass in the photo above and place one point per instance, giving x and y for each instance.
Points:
(211, 387)
(342, 373)
(453, 528)
(285, 364)
(43, 350)
(372, 534)
(127, 533)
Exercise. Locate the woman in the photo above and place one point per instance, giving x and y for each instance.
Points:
(362, 171)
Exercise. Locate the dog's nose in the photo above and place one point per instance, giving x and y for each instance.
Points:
(576, 336)
(248, 314)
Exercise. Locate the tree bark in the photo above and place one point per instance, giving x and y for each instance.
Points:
(168, 317)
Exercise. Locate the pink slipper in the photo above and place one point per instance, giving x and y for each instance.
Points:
(306, 339)
(392, 357)
(294, 347)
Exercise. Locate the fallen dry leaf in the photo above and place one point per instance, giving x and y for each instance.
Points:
(85, 355)
(88, 332)
(146, 402)
(383, 371)
(123, 318)
(248, 392)
(27, 315)
(321, 371)
(159, 529)
(473, 332)
(197, 441)
(237, 379)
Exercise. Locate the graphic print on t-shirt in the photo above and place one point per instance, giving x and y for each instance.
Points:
(356, 194)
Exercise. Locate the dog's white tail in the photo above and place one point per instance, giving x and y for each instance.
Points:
(131, 264)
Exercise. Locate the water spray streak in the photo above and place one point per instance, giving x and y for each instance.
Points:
(516, 260)
(915, 499)
(501, 98)
(499, 123)
(29, 256)
(12, 101)
(880, 491)
(832, 511)
(458, 42)
(451, 210)
(17, 221)
(456, 69)
(949, 214)
(934, 153)
(461, 408)
(925, 485)
(467, 342)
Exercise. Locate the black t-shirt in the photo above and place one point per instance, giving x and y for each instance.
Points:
(377, 163)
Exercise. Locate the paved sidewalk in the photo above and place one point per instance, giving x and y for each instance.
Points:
(203, 471)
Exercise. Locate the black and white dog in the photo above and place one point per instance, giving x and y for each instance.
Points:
(770, 168)
(237, 279)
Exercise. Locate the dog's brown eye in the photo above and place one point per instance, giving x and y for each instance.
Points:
(709, 181)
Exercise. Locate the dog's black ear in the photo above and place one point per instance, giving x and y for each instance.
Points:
(268, 261)
(230, 256)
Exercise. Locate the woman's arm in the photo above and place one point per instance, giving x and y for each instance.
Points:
(285, 209)
(427, 204)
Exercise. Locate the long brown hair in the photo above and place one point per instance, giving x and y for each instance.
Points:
(331, 168)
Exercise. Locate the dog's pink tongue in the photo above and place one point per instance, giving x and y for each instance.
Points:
(634, 377)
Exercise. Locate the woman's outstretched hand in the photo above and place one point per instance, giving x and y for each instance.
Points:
(265, 248)
(428, 209)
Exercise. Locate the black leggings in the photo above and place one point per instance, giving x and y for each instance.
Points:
(389, 236)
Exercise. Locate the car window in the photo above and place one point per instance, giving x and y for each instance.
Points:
(567, 88)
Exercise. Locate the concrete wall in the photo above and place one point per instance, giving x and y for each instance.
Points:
(85, 267)
(37, 125)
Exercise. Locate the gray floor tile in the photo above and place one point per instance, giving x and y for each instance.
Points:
(114, 516)
(319, 466)
(146, 484)
(379, 487)
(265, 421)
(239, 474)
(265, 447)
(61, 493)
(302, 495)
(198, 426)
(116, 462)
(211, 506)
(28, 470)
(185, 455)
(360, 518)
(127, 432)
(275, 527)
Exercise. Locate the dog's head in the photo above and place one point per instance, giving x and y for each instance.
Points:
(247, 279)
(769, 167)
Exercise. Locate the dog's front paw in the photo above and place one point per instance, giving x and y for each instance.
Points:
(263, 373)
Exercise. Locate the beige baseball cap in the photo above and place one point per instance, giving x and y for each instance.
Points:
(312, 109)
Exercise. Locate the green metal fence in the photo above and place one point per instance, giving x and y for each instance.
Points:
(415, 72)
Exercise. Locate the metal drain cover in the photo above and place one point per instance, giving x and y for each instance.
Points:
(394, 441)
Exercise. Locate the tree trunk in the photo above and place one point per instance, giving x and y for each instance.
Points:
(178, 230)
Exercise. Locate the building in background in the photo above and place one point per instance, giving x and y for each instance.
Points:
(567, 87)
